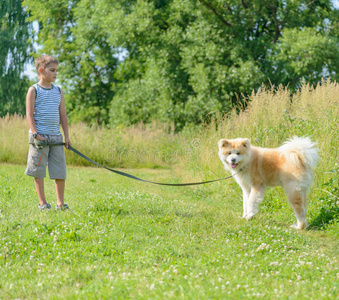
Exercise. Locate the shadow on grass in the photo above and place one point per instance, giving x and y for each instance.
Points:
(329, 213)
(115, 210)
(181, 214)
(326, 216)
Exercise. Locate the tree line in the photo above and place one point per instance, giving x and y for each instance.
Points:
(15, 49)
(176, 61)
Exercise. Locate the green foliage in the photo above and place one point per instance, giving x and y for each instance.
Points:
(15, 48)
(178, 61)
(306, 54)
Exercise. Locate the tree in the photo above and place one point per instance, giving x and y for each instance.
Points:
(15, 48)
(87, 60)
(184, 58)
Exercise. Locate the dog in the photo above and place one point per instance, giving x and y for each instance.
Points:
(255, 169)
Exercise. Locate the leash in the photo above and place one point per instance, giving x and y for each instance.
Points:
(134, 177)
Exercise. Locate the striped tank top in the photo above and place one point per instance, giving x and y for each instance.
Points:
(46, 109)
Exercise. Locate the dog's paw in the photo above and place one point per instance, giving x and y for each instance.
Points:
(299, 226)
(249, 217)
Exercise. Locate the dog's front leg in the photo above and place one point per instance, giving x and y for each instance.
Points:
(245, 196)
(255, 198)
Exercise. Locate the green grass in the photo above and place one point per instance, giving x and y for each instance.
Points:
(126, 239)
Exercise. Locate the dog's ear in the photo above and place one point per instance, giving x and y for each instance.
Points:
(223, 143)
(246, 143)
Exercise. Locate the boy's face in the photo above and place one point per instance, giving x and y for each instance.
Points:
(50, 72)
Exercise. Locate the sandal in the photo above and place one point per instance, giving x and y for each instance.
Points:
(62, 207)
(46, 206)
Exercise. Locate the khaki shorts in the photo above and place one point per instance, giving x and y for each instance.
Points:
(53, 156)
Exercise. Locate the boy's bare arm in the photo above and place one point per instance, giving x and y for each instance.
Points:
(30, 102)
(63, 119)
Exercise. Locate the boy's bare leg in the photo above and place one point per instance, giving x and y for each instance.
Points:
(39, 186)
(60, 190)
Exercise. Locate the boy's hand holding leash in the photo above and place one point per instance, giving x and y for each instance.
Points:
(39, 141)
(67, 142)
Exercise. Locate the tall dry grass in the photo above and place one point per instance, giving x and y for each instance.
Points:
(13, 139)
(134, 147)
(272, 116)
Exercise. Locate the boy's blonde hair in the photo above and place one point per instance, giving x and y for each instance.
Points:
(43, 61)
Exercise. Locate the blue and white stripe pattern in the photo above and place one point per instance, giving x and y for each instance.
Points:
(46, 109)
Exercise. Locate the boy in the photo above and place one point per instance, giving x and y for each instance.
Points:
(45, 110)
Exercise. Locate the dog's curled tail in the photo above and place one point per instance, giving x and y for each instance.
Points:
(300, 151)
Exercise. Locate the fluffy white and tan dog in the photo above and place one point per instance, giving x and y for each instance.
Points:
(255, 169)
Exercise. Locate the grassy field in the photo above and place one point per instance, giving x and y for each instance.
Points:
(125, 239)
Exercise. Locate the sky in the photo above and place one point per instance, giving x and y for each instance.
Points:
(30, 69)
